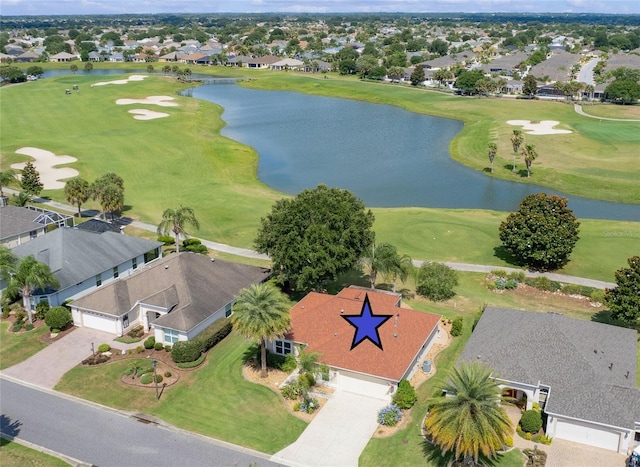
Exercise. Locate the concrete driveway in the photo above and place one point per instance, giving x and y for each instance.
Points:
(46, 367)
(337, 435)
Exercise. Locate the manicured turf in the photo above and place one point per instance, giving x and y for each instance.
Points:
(215, 400)
(631, 112)
(16, 348)
(182, 159)
(15, 455)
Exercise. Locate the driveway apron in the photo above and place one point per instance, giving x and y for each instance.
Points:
(337, 435)
(46, 367)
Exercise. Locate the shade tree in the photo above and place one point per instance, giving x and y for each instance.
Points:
(623, 300)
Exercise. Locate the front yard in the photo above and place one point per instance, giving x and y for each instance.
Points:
(216, 400)
(16, 348)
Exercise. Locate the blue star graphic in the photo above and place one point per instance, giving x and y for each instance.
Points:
(366, 325)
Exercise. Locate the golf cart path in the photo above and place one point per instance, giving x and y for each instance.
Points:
(578, 109)
(247, 253)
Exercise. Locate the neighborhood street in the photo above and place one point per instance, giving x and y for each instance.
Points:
(105, 437)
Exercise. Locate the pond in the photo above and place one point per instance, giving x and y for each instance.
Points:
(386, 156)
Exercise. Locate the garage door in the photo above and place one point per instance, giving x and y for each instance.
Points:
(582, 433)
(99, 322)
(362, 384)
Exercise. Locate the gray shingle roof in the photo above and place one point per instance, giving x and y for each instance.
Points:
(76, 255)
(191, 286)
(590, 367)
(15, 221)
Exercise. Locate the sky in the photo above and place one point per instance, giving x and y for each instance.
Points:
(86, 7)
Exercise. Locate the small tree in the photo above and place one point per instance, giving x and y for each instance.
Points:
(517, 138)
(6, 178)
(77, 191)
(492, 150)
(175, 220)
(436, 281)
(417, 76)
(530, 154)
(58, 317)
(108, 190)
(30, 180)
(530, 86)
(74, 68)
(624, 300)
(88, 67)
(542, 233)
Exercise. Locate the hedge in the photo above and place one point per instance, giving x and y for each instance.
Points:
(185, 351)
(213, 334)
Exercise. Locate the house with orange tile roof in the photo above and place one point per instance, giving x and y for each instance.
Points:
(318, 325)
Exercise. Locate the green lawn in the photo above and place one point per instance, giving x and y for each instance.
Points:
(16, 348)
(215, 400)
(15, 455)
(183, 159)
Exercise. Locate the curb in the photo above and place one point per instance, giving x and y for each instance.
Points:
(68, 459)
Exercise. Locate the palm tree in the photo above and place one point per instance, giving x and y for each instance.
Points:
(174, 220)
(492, 149)
(261, 312)
(469, 421)
(77, 191)
(401, 267)
(379, 259)
(590, 89)
(8, 263)
(517, 139)
(30, 275)
(6, 177)
(530, 154)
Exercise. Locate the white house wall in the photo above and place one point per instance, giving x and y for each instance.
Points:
(205, 324)
(95, 321)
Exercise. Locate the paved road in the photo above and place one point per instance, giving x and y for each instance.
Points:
(586, 72)
(104, 437)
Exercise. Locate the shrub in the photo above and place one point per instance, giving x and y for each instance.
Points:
(41, 310)
(104, 348)
(544, 439)
(491, 286)
(192, 364)
(95, 359)
(185, 351)
(597, 296)
(28, 327)
(535, 457)
(296, 407)
(436, 281)
(531, 421)
(389, 415)
(158, 346)
(571, 289)
(518, 276)
(289, 363)
(213, 334)
(17, 326)
(191, 242)
(167, 374)
(306, 380)
(405, 397)
(167, 348)
(136, 332)
(147, 378)
(166, 239)
(150, 343)
(20, 315)
(139, 349)
(55, 331)
(456, 326)
(499, 273)
(292, 391)
(544, 283)
(5, 312)
(501, 283)
(508, 442)
(309, 405)
(527, 436)
(200, 249)
(58, 317)
(511, 284)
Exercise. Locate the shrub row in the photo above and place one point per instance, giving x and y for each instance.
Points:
(195, 245)
(192, 364)
(189, 351)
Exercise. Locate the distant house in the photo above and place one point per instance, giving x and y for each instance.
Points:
(287, 64)
(317, 324)
(177, 297)
(94, 56)
(262, 62)
(20, 225)
(581, 373)
(27, 57)
(197, 58)
(83, 261)
(62, 57)
(173, 57)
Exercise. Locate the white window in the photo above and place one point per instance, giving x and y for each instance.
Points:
(170, 336)
(283, 347)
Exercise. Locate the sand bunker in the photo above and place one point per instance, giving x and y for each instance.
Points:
(120, 81)
(144, 114)
(45, 162)
(545, 127)
(162, 101)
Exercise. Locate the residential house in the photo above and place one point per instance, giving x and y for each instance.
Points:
(176, 297)
(581, 373)
(19, 225)
(557, 67)
(83, 261)
(27, 57)
(62, 57)
(261, 62)
(507, 64)
(287, 64)
(197, 58)
(173, 57)
(318, 325)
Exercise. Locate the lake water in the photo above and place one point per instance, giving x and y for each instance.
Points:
(386, 156)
